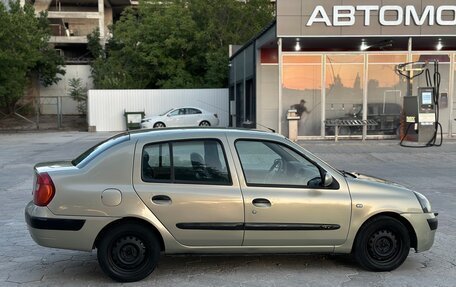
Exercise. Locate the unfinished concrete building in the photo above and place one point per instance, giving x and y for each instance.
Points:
(71, 21)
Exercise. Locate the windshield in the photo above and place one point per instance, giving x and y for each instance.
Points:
(92, 152)
(166, 112)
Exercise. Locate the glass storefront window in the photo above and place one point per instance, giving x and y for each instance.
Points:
(453, 117)
(301, 89)
(344, 90)
(385, 92)
(344, 83)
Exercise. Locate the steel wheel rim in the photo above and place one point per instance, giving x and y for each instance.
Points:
(204, 124)
(159, 125)
(128, 253)
(384, 246)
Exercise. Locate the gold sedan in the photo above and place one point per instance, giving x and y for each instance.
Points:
(181, 191)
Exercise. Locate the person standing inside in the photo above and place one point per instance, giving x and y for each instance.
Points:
(300, 108)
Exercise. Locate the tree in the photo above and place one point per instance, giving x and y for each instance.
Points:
(79, 94)
(24, 52)
(176, 43)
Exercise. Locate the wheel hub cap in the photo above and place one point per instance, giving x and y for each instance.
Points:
(383, 245)
(128, 252)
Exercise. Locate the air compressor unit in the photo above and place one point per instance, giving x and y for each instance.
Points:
(420, 122)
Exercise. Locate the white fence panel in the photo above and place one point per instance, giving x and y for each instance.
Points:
(105, 110)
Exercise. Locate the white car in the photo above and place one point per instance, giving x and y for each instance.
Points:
(181, 117)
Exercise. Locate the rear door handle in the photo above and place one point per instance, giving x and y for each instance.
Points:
(261, 202)
(161, 199)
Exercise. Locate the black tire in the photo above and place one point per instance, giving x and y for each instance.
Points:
(128, 252)
(159, 125)
(382, 244)
(205, 124)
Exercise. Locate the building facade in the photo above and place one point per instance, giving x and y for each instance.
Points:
(70, 22)
(338, 60)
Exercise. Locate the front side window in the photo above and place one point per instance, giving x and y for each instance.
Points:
(178, 112)
(196, 161)
(267, 163)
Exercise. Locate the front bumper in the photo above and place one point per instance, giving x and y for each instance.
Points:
(67, 232)
(425, 226)
(145, 125)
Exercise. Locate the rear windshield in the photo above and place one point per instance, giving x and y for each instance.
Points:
(94, 151)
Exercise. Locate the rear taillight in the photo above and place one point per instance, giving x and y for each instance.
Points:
(215, 115)
(44, 189)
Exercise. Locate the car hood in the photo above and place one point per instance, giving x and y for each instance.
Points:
(376, 180)
(152, 118)
(371, 178)
(381, 194)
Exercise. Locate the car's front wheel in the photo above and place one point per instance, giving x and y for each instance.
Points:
(159, 125)
(128, 252)
(382, 244)
(205, 124)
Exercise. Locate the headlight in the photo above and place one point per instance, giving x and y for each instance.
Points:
(424, 202)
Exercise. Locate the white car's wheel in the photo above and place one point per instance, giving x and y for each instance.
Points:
(205, 124)
(159, 125)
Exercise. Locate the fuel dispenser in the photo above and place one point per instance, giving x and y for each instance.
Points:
(421, 112)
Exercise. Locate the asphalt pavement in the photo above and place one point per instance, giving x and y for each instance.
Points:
(431, 171)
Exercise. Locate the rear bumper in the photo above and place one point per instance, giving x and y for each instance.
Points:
(67, 232)
(425, 226)
(54, 223)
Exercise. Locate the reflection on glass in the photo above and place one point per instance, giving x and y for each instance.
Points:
(453, 120)
(302, 91)
(385, 92)
(344, 90)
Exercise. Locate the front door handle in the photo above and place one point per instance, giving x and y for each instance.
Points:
(261, 202)
(161, 199)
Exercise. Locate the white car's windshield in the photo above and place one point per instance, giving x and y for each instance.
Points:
(166, 112)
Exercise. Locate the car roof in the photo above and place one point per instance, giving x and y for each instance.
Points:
(175, 108)
(205, 132)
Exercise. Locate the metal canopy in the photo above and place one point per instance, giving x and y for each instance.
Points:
(345, 44)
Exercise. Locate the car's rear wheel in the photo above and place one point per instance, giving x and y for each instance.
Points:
(382, 244)
(205, 124)
(128, 252)
(159, 125)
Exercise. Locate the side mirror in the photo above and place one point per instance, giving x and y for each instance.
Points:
(168, 115)
(328, 180)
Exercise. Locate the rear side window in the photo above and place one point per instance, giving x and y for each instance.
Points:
(196, 161)
(94, 151)
(191, 111)
(156, 162)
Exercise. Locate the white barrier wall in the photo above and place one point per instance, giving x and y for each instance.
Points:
(62, 89)
(105, 111)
